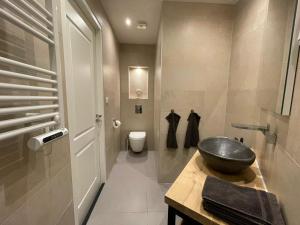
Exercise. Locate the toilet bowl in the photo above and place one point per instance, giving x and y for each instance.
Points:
(137, 140)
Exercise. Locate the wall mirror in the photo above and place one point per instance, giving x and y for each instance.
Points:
(138, 82)
(280, 52)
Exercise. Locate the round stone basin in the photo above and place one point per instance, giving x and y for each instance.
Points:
(226, 155)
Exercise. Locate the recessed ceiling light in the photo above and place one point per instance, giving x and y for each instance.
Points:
(128, 22)
(142, 26)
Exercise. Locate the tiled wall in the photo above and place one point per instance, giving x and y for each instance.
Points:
(157, 93)
(196, 46)
(280, 164)
(137, 55)
(247, 41)
(35, 187)
(111, 73)
(275, 54)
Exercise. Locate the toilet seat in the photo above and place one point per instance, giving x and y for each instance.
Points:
(137, 135)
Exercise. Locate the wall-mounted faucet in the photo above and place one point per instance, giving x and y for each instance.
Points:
(271, 136)
(240, 140)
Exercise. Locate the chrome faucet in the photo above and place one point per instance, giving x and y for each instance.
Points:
(270, 136)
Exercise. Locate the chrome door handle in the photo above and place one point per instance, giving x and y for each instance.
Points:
(98, 117)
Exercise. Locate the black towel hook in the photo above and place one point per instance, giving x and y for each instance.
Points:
(172, 110)
(192, 111)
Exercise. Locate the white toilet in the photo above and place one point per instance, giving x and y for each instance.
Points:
(137, 140)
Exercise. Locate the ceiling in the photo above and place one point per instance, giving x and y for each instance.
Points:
(140, 10)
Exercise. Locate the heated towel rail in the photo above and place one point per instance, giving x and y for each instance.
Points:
(30, 96)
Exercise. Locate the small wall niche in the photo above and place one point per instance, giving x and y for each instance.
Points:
(138, 82)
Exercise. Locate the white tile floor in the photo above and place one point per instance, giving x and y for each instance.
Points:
(132, 195)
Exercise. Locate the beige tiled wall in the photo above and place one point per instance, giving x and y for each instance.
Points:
(157, 93)
(280, 164)
(35, 187)
(196, 46)
(247, 41)
(275, 54)
(111, 73)
(137, 55)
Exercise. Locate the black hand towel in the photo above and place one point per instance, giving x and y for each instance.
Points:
(226, 216)
(192, 132)
(231, 216)
(240, 205)
(173, 120)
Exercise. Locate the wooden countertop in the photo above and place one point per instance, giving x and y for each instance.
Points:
(185, 195)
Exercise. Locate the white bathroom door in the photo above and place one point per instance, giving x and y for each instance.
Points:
(83, 109)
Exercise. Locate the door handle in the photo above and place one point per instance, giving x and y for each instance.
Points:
(98, 117)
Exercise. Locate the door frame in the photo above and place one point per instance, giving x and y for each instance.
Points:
(87, 13)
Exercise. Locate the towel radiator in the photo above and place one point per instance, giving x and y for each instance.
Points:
(30, 96)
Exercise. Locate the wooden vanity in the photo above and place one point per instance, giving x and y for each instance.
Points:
(184, 197)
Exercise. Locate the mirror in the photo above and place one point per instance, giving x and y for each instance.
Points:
(138, 82)
(280, 51)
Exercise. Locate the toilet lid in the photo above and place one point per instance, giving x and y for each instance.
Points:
(137, 135)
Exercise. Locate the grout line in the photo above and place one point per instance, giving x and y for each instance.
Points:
(64, 212)
(291, 158)
(146, 194)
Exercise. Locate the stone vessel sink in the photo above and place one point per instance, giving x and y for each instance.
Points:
(226, 155)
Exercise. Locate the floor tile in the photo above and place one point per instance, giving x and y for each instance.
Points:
(119, 219)
(143, 162)
(160, 218)
(132, 194)
(155, 196)
(121, 197)
(157, 218)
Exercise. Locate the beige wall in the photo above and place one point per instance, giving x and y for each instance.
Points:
(275, 54)
(137, 55)
(111, 74)
(196, 45)
(280, 164)
(157, 93)
(35, 187)
(247, 41)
